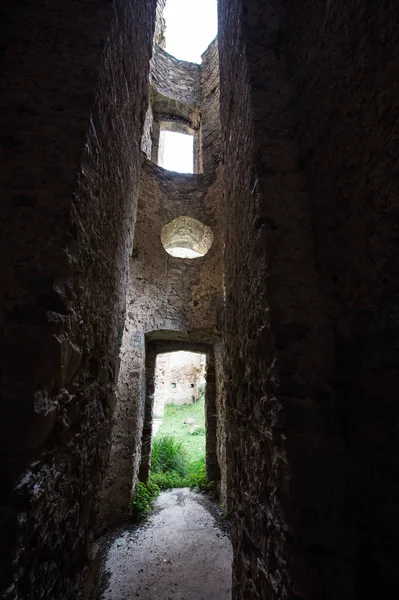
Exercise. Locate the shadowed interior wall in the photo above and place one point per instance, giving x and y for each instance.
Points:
(308, 126)
(73, 107)
(344, 71)
(210, 108)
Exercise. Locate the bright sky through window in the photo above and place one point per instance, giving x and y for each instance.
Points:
(190, 27)
(178, 152)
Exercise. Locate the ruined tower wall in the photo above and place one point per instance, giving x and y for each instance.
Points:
(177, 380)
(308, 122)
(165, 293)
(212, 161)
(343, 68)
(210, 108)
(73, 112)
(285, 466)
(176, 79)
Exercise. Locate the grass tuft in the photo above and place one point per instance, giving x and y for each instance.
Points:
(173, 425)
(143, 500)
(168, 454)
(178, 456)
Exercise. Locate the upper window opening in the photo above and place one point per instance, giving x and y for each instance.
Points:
(176, 151)
(186, 237)
(187, 39)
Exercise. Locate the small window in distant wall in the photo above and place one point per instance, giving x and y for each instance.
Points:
(176, 151)
(173, 385)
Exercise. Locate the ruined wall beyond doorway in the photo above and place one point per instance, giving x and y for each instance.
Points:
(178, 377)
(73, 107)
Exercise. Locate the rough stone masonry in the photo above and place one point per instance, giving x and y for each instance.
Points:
(294, 114)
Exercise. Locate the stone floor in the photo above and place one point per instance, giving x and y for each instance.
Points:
(181, 553)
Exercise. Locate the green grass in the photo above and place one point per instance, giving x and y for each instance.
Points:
(143, 500)
(173, 425)
(178, 457)
(168, 454)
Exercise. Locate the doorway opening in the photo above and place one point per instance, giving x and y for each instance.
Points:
(178, 453)
(181, 406)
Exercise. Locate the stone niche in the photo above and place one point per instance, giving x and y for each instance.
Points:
(186, 237)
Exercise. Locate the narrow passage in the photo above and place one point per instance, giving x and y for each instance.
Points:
(180, 553)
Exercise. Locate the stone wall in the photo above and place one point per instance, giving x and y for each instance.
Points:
(185, 98)
(210, 108)
(309, 121)
(221, 425)
(174, 293)
(344, 73)
(125, 452)
(165, 293)
(285, 459)
(160, 24)
(177, 379)
(147, 141)
(176, 79)
(176, 95)
(73, 110)
(169, 294)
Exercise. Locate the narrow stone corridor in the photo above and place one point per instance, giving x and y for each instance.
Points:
(181, 553)
(276, 256)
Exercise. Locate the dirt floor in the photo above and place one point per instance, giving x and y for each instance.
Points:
(182, 552)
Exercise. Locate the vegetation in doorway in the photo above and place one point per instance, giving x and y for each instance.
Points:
(198, 431)
(169, 456)
(173, 425)
(143, 500)
(178, 450)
